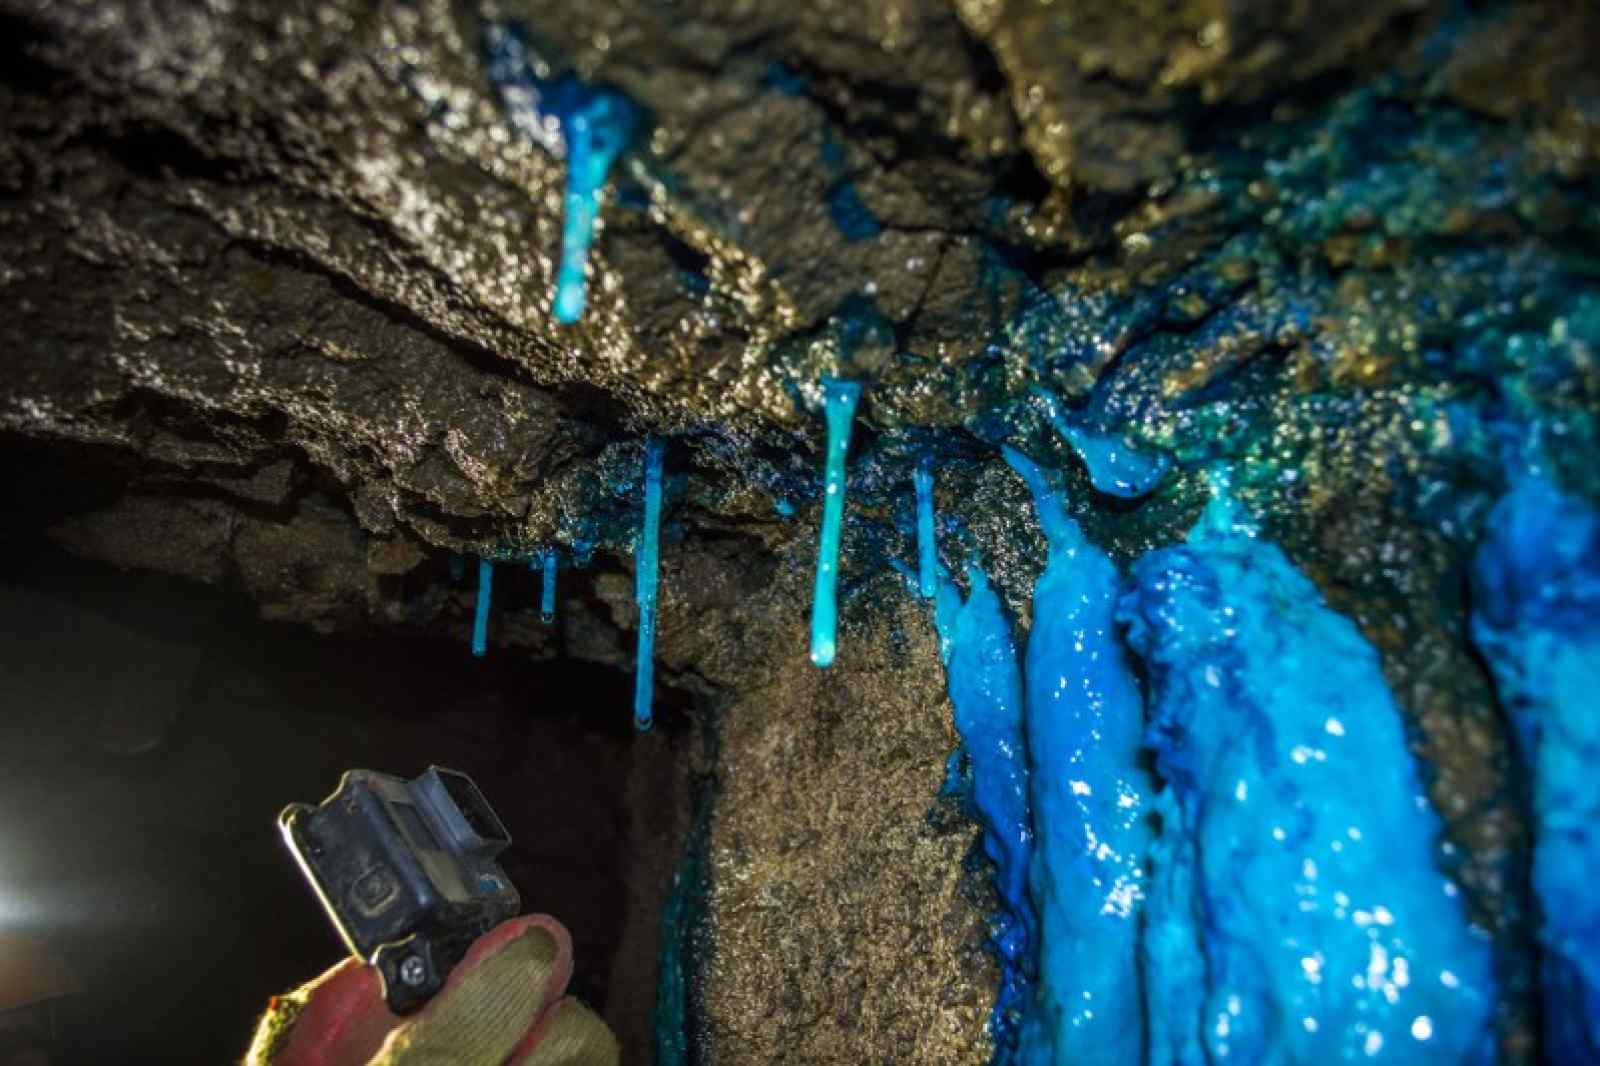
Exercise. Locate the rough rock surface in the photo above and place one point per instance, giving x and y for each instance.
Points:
(276, 280)
(834, 873)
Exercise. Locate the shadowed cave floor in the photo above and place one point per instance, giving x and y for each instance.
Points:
(158, 873)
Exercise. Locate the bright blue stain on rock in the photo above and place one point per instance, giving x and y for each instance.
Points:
(784, 79)
(839, 408)
(1296, 913)
(849, 213)
(549, 563)
(647, 567)
(1536, 618)
(1089, 798)
(1115, 467)
(685, 943)
(985, 687)
(595, 124)
(783, 507)
(851, 216)
(927, 550)
(480, 620)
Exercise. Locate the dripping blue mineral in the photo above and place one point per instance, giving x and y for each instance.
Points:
(1272, 722)
(927, 550)
(986, 700)
(1115, 468)
(1536, 618)
(480, 621)
(647, 564)
(596, 130)
(595, 123)
(1083, 721)
(839, 400)
(547, 596)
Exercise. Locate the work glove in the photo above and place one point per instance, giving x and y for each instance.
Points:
(502, 1004)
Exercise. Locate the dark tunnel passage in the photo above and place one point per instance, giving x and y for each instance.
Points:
(150, 731)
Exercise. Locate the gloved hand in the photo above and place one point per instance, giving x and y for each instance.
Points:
(503, 1003)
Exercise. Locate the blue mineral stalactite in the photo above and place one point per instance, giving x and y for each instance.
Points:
(480, 620)
(647, 572)
(1536, 618)
(839, 399)
(1089, 798)
(595, 123)
(549, 563)
(596, 127)
(927, 549)
(985, 687)
(1115, 467)
(1295, 912)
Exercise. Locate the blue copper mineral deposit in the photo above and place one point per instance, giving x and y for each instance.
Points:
(985, 683)
(1536, 618)
(1089, 799)
(647, 576)
(549, 563)
(587, 125)
(480, 617)
(839, 409)
(927, 549)
(1115, 467)
(1297, 911)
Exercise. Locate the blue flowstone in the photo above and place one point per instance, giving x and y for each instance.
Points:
(1536, 618)
(1296, 913)
(985, 687)
(1088, 795)
(646, 571)
(839, 408)
(587, 125)
(1115, 467)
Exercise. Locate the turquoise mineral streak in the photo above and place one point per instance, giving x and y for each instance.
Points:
(480, 621)
(1090, 802)
(596, 124)
(1536, 618)
(684, 943)
(927, 550)
(986, 697)
(1115, 467)
(946, 606)
(839, 407)
(647, 567)
(1295, 912)
(547, 593)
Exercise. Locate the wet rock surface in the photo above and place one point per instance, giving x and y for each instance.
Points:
(277, 283)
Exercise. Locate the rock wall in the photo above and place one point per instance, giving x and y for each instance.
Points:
(277, 281)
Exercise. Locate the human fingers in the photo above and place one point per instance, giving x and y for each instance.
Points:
(491, 1001)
